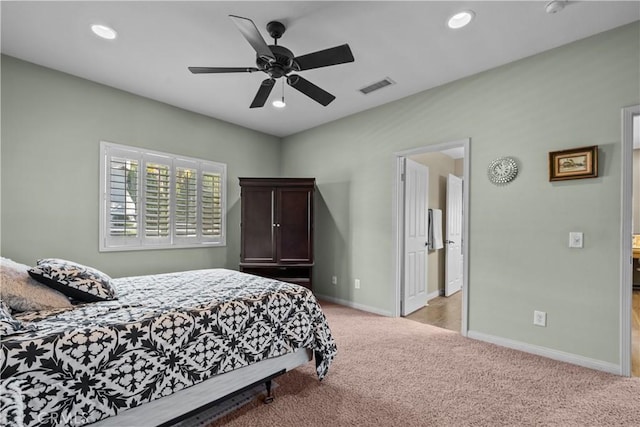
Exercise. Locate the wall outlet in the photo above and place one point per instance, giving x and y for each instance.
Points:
(356, 283)
(334, 280)
(576, 239)
(539, 318)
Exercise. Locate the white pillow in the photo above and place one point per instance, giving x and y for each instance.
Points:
(22, 293)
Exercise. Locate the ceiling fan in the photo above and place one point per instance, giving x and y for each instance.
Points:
(278, 61)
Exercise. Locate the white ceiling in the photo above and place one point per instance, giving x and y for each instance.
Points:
(405, 41)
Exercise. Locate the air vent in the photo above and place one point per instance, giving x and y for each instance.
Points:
(377, 85)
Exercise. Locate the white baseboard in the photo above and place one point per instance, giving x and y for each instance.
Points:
(432, 295)
(355, 305)
(547, 352)
(366, 308)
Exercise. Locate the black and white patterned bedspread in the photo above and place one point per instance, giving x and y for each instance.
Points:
(164, 333)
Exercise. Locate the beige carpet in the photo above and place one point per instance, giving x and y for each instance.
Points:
(396, 372)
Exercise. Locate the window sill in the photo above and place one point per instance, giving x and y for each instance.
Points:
(161, 247)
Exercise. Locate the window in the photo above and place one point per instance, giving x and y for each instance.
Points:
(153, 200)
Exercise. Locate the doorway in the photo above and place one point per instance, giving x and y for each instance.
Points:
(459, 149)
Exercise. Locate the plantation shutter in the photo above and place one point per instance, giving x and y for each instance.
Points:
(211, 205)
(157, 200)
(186, 196)
(121, 198)
(153, 200)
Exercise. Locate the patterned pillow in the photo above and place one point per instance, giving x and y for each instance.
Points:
(21, 293)
(9, 325)
(74, 280)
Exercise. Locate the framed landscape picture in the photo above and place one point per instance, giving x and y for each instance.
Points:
(575, 163)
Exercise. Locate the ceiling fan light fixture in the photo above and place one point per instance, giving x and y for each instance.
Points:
(461, 19)
(279, 103)
(104, 31)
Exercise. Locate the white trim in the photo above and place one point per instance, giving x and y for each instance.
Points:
(199, 245)
(547, 352)
(355, 305)
(466, 188)
(625, 238)
(398, 225)
(397, 221)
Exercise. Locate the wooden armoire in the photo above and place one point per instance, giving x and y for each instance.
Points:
(276, 228)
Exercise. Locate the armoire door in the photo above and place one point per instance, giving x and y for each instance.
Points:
(258, 224)
(295, 225)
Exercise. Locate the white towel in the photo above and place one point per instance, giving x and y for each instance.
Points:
(435, 229)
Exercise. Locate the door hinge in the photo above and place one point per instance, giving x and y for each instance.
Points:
(402, 177)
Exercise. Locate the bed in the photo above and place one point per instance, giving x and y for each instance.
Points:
(167, 345)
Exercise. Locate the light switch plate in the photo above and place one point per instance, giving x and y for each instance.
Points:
(539, 318)
(575, 239)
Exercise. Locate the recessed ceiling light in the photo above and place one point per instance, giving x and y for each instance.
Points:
(460, 19)
(104, 31)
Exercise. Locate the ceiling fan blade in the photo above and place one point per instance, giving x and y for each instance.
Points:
(263, 93)
(205, 70)
(312, 91)
(253, 36)
(323, 58)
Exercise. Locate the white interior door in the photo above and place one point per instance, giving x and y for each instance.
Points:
(453, 236)
(416, 192)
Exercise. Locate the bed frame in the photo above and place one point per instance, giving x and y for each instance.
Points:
(185, 403)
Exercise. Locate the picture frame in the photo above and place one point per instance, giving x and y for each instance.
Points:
(575, 163)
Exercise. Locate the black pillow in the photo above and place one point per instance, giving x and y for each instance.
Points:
(74, 280)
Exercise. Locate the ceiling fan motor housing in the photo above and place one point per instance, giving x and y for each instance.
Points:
(283, 64)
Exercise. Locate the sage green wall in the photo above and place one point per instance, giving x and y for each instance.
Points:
(52, 124)
(519, 260)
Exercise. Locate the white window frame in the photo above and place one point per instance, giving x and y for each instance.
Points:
(110, 243)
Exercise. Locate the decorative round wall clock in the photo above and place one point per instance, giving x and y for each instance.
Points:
(503, 170)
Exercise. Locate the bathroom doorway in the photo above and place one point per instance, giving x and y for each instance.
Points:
(445, 273)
